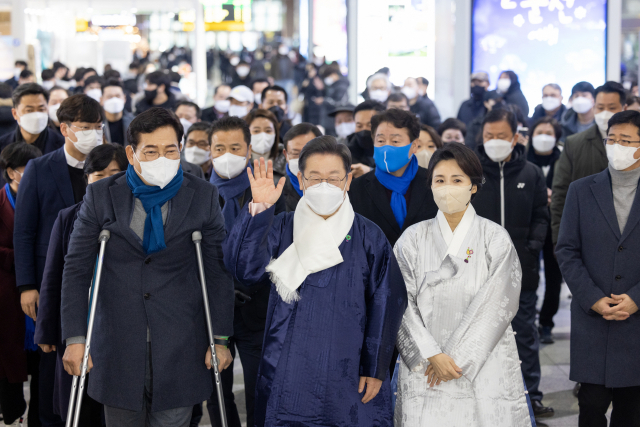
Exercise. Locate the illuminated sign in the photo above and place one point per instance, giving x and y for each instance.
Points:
(229, 15)
(113, 20)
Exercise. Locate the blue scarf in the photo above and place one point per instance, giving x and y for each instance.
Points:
(399, 187)
(230, 189)
(294, 181)
(30, 326)
(152, 198)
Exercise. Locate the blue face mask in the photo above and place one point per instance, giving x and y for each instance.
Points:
(390, 159)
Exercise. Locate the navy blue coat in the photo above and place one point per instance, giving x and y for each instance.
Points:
(45, 189)
(48, 329)
(161, 291)
(597, 261)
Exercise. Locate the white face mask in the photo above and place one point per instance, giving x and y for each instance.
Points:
(34, 123)
(243, 71)
(229, 165)
(196, 155)
(324, 198)
(409, 92)
(602, 120)
(186, 124)
(222, 105)
(543, 143)
(261, 143)
(452, 198)
(234, 61)
(95, 94)
(114, 105)
(48, 85)
(503, 85)
(238, 111)
(345, 129)
(293, 166)
(257, 97)
(550, 103)
(581, 104)
(16, 72)
(283, 50)
(498, 149)
(621, 158)
(424, 157)
(160, 171)
(86, 143)
(53, 109)
(328, 81)
(379, 95)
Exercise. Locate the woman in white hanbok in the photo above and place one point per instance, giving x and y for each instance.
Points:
(459, 362)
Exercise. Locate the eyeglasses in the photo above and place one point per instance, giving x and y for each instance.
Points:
(623, 142)
(315, 180)
(151, 155)
(87, 130)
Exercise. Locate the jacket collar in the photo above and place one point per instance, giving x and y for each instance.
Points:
(601, 189)
(58, 165)
(517, 162)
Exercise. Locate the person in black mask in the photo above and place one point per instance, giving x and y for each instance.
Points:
(474, 107)
(157, 93)
(361, 143)
(274, 99)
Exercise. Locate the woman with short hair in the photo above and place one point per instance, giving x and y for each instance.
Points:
(459, 356)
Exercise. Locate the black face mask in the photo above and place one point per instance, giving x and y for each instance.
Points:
(278, 112)
(150, 95)
(364, 140)
(478, 92)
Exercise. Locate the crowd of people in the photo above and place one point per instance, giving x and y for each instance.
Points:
(370, 264)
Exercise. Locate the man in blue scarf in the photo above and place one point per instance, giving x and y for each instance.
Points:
(294, 141)
(150, 312)
(230, 142)
(395, 194)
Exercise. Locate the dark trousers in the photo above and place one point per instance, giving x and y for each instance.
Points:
(12, 401)
(594, 401)
(46, 383)
(528, 342)
(249, 345)
(553, 279)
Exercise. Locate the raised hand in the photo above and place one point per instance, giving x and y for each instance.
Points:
(262, 187)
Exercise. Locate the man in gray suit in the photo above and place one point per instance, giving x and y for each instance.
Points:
(150, 312)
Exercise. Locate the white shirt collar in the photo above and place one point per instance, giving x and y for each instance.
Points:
(454, 239)
(72, 161)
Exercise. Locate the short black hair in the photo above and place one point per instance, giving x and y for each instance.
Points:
(5, 91)
(613, 87)
(259, 80)
(202, 126)
(466, 159)
(77, 76)
(557, 129)
(28, 89)
(111, 74)
(189, 104)
(300, 129)
(369, 105)
(398, 97)
(47, 74)
(80, 108)
(92, 80)
(325, 144)
(53, 89)
(583, 87)
(86, 71)
(151, 120)
(215, 91)
(499, 115)
(630, 116)
(631, 99)
(25, 74)
(433, 134)
(159, 78)
(520, 118)
(423, 81)
(175, 77)
(228, 124)
(275, 88)
(101, 156)
(17, 155)
(112, 82)
(452, 123)
(398, 118)
(21, 63)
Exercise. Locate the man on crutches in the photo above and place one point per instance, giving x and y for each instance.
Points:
(150, 328)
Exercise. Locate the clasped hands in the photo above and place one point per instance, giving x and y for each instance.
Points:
(618, 307)
(441, 368)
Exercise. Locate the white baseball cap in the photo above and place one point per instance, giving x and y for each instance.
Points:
(242, 94)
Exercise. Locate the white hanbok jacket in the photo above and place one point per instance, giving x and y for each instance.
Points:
(463, 291)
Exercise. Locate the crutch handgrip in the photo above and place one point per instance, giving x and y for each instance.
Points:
(196, 236)
(105, 235)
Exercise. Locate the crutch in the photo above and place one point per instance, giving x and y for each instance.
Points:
(75, 389)
(197, 239)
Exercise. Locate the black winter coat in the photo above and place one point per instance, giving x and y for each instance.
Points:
(427, 112)
(361, 146)
(526, 216)
(7, 123)
(470, 110)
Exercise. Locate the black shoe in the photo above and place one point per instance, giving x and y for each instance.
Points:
(540, 411)
(545, 335)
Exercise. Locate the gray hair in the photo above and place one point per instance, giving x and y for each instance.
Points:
(378, 76)
(554, 86)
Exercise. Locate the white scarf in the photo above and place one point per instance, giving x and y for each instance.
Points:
(314, 248)
(454, 239)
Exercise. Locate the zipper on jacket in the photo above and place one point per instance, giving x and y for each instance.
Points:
(502, 194)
